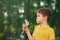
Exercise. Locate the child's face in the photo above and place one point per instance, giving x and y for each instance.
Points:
(39, 18)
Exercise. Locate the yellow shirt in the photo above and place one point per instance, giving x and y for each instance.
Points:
(43, 33)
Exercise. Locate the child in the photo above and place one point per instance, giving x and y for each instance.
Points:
(42, 31)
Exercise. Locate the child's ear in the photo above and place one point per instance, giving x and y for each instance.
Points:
(45, 17)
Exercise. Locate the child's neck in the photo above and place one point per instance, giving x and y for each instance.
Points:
(43, 23)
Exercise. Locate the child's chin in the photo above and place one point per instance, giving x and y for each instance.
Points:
(37, 22)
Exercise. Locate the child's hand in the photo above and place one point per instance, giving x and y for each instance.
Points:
(25, 28)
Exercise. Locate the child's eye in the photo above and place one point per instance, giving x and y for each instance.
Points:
(38, 15)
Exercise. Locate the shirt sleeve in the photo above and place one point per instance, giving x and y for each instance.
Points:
(34, 30)
(52, 35)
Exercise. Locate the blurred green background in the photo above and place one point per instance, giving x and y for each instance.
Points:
(13, 13)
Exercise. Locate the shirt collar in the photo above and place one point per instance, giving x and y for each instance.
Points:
(44, 26)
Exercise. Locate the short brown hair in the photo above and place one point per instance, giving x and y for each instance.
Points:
(45, 12)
